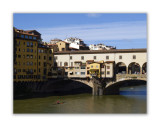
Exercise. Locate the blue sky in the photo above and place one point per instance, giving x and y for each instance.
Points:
(121, 30)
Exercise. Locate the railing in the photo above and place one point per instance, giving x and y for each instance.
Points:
(131, 76)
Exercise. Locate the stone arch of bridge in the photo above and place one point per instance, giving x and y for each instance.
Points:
(83, 82)
(134, 68)
(113, 88)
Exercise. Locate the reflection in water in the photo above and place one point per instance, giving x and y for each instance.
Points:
(133, 90)
(83, 103)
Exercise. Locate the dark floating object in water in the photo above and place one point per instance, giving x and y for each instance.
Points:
(59, 103)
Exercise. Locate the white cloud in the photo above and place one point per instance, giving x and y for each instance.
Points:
(93, 15)
(105, 31)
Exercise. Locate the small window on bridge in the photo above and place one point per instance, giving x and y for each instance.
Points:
(134, 56)
(107, 57)
(120, 57)
(108, 72)
(82, 57)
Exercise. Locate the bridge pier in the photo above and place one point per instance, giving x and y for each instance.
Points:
(97, 89)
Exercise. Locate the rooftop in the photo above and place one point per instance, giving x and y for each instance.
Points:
(100, 51)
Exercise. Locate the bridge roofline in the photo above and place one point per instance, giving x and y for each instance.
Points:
(100, 51)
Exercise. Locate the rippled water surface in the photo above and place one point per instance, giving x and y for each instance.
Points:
(83, 103)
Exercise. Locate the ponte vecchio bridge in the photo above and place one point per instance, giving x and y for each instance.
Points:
(120, 65)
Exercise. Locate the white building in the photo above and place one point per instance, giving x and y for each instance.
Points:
(75, 42)
(100, 47)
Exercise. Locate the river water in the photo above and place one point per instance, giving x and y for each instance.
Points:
(84, 103)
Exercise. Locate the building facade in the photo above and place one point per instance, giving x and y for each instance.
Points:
(107, 62)
(32, 61)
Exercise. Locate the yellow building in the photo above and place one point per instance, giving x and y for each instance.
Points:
(33, 61)
(95, 70)
(88, 62)
(63, 46)
(25, 55)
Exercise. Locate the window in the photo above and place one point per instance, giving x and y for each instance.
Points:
(65, 64)
(39, 50)
(44, 57)
(39, 57)
(39, 70)
(50, 58)
(31, 56)
(134, 56)
(82, 73)
(19, 49)
(120, 57)
(30, 37)
(76, 73)
(31, 63)
(96, 66)
(28, 44)
(24, 43)
(83, 67)
(70, 57)
(22, 36)
(31, 44)
(39, 63)
(108, 67)
(66, 73)
(107, 57)
(82, 57)
(27, 63)
(102, 72)
(91, 66)
(26, 36)
(76, 67)
(108, 72)
(19, 56)
(94, 57)
(27, 56)
(34, 38)
(44, 64)
(31, 50)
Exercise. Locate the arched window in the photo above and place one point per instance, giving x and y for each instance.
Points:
(65, 63)
(120, 68)
(134, 68)
(144, 68)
